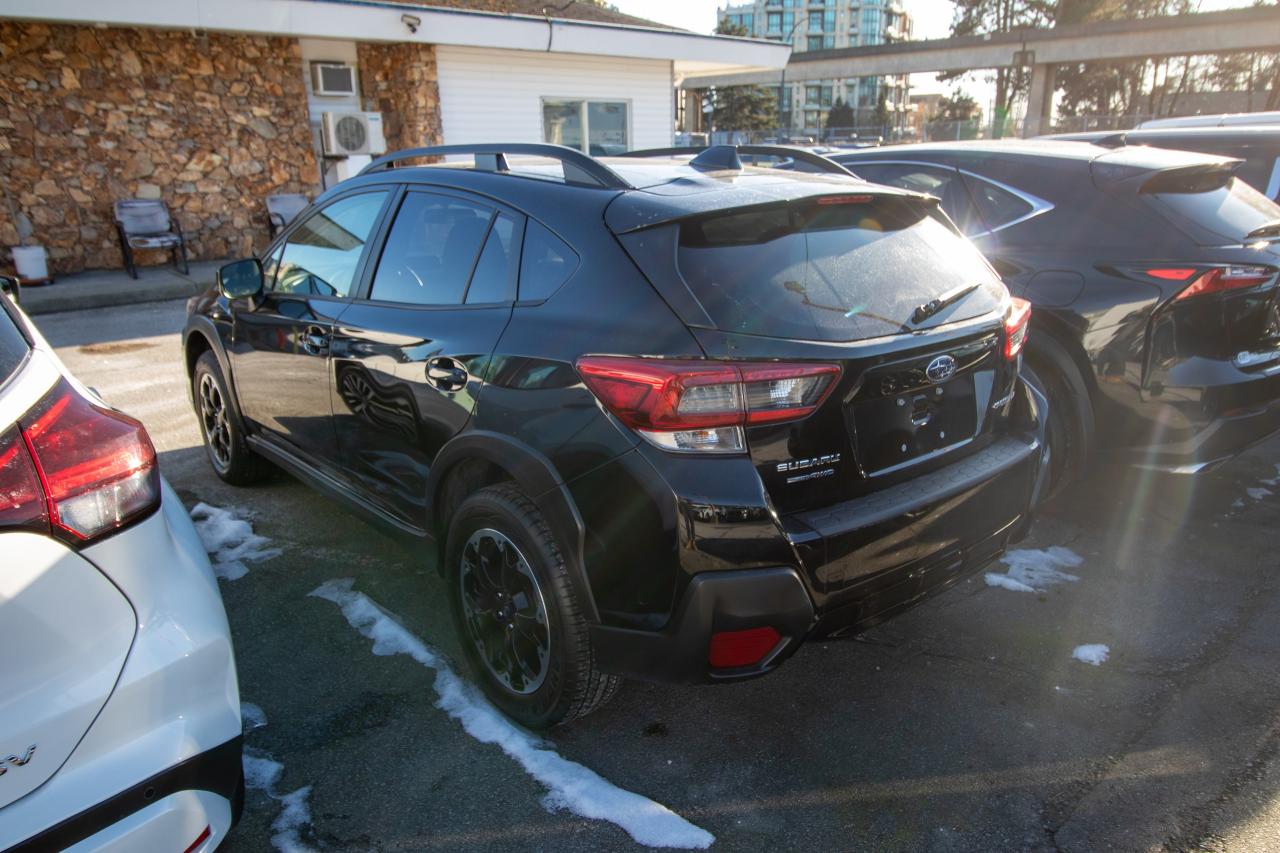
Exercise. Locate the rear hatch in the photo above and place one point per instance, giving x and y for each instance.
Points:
(1220, 297)
(844, 279)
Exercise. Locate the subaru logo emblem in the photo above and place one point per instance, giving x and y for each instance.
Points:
(941, 369)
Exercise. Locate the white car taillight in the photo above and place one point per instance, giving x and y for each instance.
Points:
(75, 468)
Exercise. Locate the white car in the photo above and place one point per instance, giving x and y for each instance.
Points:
(119, 708)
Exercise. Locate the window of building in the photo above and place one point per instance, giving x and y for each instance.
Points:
(812, 94)
(321, 255)
(788, 21)
(871, 22)
(814, 43)
(599, 128)
(815, 20)
(775, 22)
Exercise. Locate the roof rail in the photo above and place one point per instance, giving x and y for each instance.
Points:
(724, 156)
(1115, 140)
(578, 167)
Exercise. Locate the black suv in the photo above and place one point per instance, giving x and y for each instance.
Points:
(660, 419)
(1153, 274)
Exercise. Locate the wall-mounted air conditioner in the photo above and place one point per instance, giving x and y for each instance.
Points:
(333, 79)
(353, 133)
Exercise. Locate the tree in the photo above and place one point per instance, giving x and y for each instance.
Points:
(882, 109)
(979, 17)
(742, 107)
(840, 115)
(958, 106)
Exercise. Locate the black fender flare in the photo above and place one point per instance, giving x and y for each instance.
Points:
(537, 477)
(204, 327)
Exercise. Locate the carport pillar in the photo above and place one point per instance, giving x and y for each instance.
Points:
(1040, 100)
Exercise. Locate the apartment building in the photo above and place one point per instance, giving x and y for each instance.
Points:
(811, 25)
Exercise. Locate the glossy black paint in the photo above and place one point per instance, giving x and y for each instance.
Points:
(408, 409)
(1160, 371)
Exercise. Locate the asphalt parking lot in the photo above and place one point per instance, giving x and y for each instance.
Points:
(964, 725)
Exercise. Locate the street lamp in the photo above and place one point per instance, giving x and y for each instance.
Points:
(782, 86)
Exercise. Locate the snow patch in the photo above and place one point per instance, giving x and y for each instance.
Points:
(261, 773)
(230, 540)
(1258, 494)
(252, 716)
(1092, 653)
(1035, 570)
(570, 785)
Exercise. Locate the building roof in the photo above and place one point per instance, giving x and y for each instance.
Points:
(568, 10)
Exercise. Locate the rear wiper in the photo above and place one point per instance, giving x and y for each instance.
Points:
(1271, 229)
(933, 306)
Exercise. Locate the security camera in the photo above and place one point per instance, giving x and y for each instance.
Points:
(412, 22)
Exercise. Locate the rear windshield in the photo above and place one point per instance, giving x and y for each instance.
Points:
(13, 346)
(1214, 208)
(832, 269)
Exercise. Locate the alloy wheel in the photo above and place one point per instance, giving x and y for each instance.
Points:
(217, 426)
(504, 611)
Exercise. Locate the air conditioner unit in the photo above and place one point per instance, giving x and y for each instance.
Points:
(332, 79)
(352, 133)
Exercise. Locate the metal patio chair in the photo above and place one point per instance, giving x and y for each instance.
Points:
(283, 209)
(143, 223)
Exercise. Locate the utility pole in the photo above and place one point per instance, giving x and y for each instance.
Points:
(782, 86)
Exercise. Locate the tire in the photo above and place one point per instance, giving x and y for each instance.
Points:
(224, 443)
(516, 614)
(1070, 433)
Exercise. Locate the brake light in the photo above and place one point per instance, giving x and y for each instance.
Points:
(1016, 326)
(691, 405)
(21, 500)
(1222, 279)
(96, 468)
(1171, 273)
(741, 648)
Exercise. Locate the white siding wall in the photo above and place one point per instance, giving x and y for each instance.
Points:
(496, 95)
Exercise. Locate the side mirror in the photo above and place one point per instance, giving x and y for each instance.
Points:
(241, 278)
(9, 287)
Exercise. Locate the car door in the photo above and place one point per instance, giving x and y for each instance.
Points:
(408, 357)
(280, 341)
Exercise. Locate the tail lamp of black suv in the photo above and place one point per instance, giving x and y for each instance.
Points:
(76, 470)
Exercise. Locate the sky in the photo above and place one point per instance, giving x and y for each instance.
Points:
(930, 19)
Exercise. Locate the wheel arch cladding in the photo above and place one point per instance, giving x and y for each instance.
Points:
(477, 459)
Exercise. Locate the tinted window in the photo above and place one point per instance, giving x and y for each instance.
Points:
(431, 250)
(546, 264)
(944, 184)
(495, 276)
(13, 346)
(270, 266)
(997, 207)
(832, 272)
(1215, 205)
(321, 255)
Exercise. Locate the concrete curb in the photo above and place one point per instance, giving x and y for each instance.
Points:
(108, 288)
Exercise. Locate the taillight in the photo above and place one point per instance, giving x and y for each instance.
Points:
(95, 469)
(21, 500)
(1016, 328)
(1221, 279)
(693, 405)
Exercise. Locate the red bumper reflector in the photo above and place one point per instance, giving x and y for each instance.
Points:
(741, 648)
(200, 839)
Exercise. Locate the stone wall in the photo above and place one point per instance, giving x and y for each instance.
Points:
(210, 124)
(399, 81)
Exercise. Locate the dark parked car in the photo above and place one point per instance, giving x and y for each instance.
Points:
(1258, 147)
(660, 419)
(1156, 331)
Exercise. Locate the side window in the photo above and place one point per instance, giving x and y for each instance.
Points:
(998, 207)
(270, 266)
(495, 276)
(546, 263)
(431, 250)
(943, 183)
(321, 255)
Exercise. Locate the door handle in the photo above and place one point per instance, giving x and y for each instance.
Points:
(446, 374)
(315, 341)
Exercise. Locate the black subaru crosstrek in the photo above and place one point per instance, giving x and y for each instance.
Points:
(657, 419)
(1155, 281)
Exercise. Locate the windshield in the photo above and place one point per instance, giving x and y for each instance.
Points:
(1215, 211)
(839, 268)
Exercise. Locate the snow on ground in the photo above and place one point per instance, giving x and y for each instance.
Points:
(230, 540)
(1093, 653)
(1258, 494)
(261, 773)
(1035, 570)
(252, 716)
(570, 785)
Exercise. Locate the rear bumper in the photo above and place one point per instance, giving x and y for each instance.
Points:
(860, 562)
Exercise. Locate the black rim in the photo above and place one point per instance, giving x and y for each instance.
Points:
(217, 426)
(504, 611)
